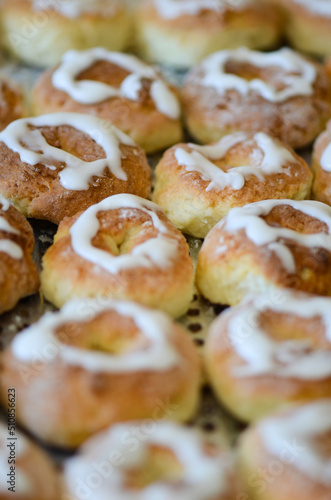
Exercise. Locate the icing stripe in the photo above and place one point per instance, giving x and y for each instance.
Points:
(158, 251)
(171, 9)
(77, 173)
(39, 341)
(92, 92)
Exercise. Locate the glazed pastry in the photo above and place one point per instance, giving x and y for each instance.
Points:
(116, 87)
(39, 32)
(102, 362)
(18, 273)
(181, 32)
(144, 460)
(124, 247)
(265, 247)
(56, 165)
(287, 455)
(280, 93)
(269, 352)
(33, 475)
(12, 106)
(308, 25)
(196, 186)
(322, 167)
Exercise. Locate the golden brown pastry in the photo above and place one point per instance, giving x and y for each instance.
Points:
(265, 247)
(321, 164)
(18, 273)
(143, 460)
(307, 25)
(196, 186)
(101, 362)
(287, 455)
(56, 165)
(116, 87)
(280, 93)
(181, 32)
(124, 247)
(269, 352)
(26, 471)
(12, 106)
(39, 32)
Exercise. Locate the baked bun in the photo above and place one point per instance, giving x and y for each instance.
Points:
(280, 93)
(157, 459)
(181, 32)
(26, 471)
(322, 167)
(12, 106)
(270, 352)
(39, 32)
(308, 25)
(124, 248)
(116, 87)
(102, 362)
(287, 455)
(56, 165)
(18, 273)
(196, 186)
(264, 247)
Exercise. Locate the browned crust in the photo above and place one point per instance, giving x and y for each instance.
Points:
(156, 287)
(18, 277)
(322, 179)
(313, 266)
(140, 119)
(11, 104)
(257, 466)
(207, 20)
(296, 121)
(252, 397)
(173, 178)
(65, 404)
(37, 190)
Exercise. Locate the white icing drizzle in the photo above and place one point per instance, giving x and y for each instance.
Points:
(7, 246)
(77, 173)
(23, 486)
(301, 426)
(298, 80)
(158, 251)
(92, 92)
(297, 359)
(248, 218)
(155, 326)
(272, 162)
(326, 159)
(203, 476)
(171, 9)
(76, 8)
(318, 7)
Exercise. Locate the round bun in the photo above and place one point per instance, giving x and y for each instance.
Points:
(270, 352)
(181, 33)
(106, 362)
(293, 449)
(12, 106)
(56, 165)
(265, 247)
(34, 476)
(280, 93)
(164, 457)
(322, 167)
(18, 273)
(39, 32)
(196, 186)
(116, 87)
(124, 247)
(308, 25)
